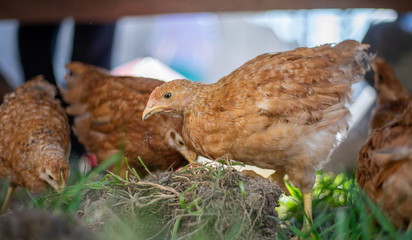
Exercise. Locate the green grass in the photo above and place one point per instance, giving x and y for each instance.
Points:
(69, 199)
(340, 209)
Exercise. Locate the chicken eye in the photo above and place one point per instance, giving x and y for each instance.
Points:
(167, 95)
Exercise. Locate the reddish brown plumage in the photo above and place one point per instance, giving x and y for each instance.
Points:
(107, 112)
(392, 99)
(385, 161)
(278, 111)
(34, 136)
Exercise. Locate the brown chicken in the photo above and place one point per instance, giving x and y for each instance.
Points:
(278, 111)
(392, 97)
(108, 111)
(34, 138)
(385, 161)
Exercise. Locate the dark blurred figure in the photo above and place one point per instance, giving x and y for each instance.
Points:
(39, 225)
(92, 44)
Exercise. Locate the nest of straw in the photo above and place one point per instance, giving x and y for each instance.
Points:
(198, 202)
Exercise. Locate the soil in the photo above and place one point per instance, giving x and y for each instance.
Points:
(198, 202)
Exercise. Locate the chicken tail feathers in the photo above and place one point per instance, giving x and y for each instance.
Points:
(80, 79)
(357, 59)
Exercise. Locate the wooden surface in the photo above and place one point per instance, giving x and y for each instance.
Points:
(109, 10)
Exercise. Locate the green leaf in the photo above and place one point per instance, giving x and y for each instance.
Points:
(242, 189)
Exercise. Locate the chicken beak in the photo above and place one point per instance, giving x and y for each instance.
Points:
(58, 183)
(190, 156)
(61, 185)
(149, 111)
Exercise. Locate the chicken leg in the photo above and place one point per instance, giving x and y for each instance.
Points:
(10, 192)
(307, 206)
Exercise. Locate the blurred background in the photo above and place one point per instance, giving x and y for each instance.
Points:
(200, 41)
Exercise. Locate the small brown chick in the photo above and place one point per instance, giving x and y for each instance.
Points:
(385, 161)
(278, 111)
(392, 97)
(108, 111)
(34, 138)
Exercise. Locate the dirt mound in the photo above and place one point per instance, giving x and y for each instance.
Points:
(198, 202)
